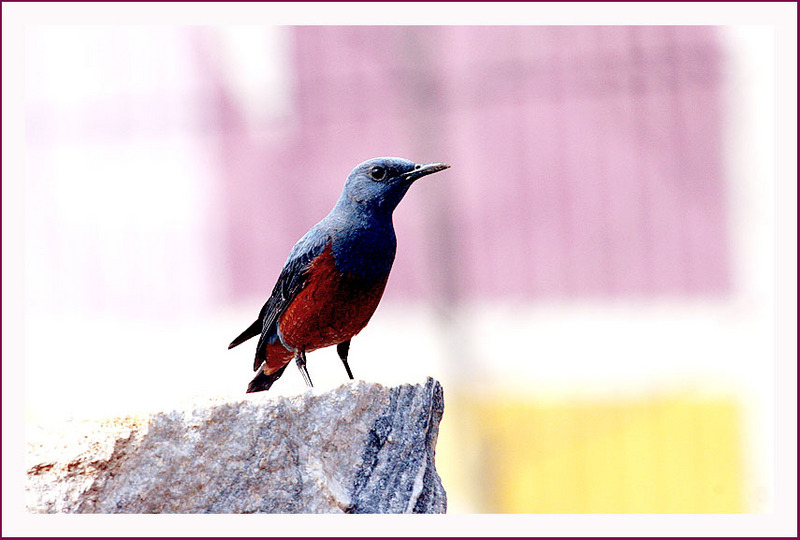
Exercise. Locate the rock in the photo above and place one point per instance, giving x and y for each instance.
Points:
(361, 448)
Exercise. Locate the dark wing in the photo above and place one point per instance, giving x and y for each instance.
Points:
(280, 295)
(291, 281)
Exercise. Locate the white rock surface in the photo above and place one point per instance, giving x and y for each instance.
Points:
(361, 448)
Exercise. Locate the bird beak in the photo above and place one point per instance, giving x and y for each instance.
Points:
(421, 170)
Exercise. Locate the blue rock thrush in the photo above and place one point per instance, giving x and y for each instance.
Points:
(335, 275)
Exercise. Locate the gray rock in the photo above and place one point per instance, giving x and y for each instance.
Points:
(362, 448)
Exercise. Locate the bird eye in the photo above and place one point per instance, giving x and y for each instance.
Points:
(378, 173)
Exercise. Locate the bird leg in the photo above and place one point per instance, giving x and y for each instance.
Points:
(343, 348)
(300, 359)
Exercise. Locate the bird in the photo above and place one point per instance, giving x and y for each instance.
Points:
(335, 275)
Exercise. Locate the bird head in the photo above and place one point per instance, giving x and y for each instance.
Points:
(379, 184)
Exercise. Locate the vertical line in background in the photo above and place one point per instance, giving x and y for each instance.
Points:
(691, 180)
(641, 166)
(680, 179)
(706, 226)
(547, 220)
(619, 122)
(467, 170)
(563, 197)
(658, 183)
(527, 178)
(605, 82)
(516, 183)
(529, 155)
(584, 173)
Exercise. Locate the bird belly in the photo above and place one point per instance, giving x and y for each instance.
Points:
(332, 308)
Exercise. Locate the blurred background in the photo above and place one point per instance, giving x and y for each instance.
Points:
(591, 281)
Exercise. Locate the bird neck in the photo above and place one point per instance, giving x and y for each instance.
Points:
(367, 213)
(364, 241)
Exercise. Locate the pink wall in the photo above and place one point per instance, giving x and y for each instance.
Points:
(585, 160)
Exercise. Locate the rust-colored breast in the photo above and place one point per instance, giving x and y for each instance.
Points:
(332, 307)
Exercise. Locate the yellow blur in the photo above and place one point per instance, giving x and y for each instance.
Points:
(666, 454)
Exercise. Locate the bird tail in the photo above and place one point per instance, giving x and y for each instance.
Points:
(262, 381)
(252, 331)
